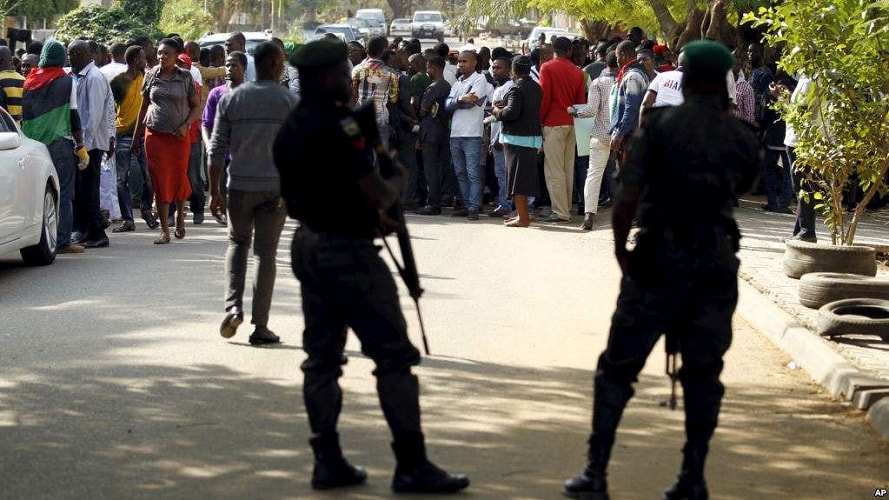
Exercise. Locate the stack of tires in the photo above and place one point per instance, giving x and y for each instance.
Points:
(841, 282)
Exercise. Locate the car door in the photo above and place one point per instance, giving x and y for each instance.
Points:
(13, 181)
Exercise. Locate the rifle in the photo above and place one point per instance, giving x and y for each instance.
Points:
(671, 345)
(393, 218)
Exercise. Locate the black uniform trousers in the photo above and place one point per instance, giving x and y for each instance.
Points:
(346, 284)
(691, 292)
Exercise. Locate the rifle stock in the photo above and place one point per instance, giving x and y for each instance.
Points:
(394, 215)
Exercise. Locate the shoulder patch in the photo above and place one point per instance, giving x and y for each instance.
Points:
(353, 132)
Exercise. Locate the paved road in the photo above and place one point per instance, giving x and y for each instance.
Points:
(115, 383)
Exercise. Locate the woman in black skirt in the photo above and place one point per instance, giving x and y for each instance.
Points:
(522, 137)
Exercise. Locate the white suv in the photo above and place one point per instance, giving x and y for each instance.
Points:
(428, 24)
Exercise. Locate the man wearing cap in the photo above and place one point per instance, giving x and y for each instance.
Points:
(337, 264)
(49, 115)
(685, 167)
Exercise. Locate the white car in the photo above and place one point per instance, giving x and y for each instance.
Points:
(400, 27)
(428, 24)
(530, 43)
(29, 196)
(252, 39)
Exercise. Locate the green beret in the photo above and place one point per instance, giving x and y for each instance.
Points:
(321, 53)
(52, 55)
(707, 60)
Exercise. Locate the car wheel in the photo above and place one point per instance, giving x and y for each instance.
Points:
(855, 316)
(44, 252)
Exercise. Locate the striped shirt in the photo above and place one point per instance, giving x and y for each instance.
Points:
(11, 82)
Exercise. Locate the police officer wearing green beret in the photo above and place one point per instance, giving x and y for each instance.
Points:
(686, 165)
(324, 156)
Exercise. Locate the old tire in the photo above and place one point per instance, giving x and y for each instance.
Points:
(817, 289)
(854, 316)
(802, 258)
(44, 252)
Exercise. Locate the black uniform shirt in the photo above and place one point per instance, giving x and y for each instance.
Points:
(690, 162)
(321, 154)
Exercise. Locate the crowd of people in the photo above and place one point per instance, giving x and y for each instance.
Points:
(181, 121)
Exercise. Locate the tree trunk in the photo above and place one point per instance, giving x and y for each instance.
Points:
(594, 29)
(669, 26)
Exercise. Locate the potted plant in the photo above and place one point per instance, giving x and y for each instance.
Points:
(842, 123)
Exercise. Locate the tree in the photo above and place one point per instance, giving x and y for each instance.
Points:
(186, 17)
(104, 26)
(42, 9)
(147, 11)
(675, 21)
(843, 122)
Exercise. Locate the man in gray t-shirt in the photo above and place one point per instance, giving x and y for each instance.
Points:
(247, 121)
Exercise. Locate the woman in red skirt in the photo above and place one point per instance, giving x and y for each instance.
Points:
(170, 104)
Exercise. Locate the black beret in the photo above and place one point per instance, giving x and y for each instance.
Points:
(321, 53)
(707, 60)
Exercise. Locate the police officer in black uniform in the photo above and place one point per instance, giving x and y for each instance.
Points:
(686, 166)
(325, 157)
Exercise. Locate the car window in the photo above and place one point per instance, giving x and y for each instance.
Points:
(6, 124)
(427, 17)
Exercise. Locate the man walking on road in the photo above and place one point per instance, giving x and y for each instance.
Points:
(685, 167)
(247, 120)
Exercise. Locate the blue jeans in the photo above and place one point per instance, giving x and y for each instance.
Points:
(804, 227)
(62, 153)
(124, 160)
(198, 198)
(779, 182)
(500, 171)
(466, 153)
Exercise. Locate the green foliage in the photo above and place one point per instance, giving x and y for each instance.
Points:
(41, 9)
(147, 11)
(843, 122)
(102, 25)
(186, 17)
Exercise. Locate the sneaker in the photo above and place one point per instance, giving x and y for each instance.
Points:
(71, 248)
(428, 478)
(472, 214)
(233, 319)
(263, 336)
(125, 227)
(498, 212)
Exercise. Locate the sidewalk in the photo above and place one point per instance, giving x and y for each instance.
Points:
(852, 368)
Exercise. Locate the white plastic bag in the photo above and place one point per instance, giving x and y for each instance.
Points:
(108, 188)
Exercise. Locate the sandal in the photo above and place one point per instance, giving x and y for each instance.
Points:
(517, 223)
(163, 240)
(179, 233)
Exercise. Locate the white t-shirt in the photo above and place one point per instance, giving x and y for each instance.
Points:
(468, 122)
(667, 86)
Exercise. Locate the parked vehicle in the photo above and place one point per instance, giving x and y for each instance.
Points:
(253, 38)
(400, 27)
(362, 26)
(349, 34)
(375, 17)
(530, 43)
(428, 24)
(29, 196)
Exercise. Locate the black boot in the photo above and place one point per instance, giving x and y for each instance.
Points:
(332, 470)
(414, 473)
(690, 482)
(591, 482)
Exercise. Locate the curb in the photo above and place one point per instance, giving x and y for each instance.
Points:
(812, 352)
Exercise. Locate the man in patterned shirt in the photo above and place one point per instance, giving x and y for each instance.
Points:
(373, 81)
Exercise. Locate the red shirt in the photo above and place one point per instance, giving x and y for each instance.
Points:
(563, 85)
